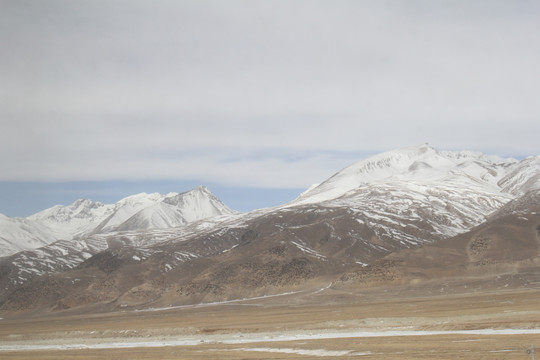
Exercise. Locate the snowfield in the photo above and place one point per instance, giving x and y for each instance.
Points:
(247, 338)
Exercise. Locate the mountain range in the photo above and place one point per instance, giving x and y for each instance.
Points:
(402, 217)
(86, 217)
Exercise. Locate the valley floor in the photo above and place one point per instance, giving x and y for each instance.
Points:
(329, 324)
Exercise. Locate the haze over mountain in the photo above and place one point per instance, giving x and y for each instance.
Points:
(351, 230)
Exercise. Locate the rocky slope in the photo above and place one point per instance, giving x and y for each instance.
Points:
(499, 255)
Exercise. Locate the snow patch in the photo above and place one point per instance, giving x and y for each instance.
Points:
(232, 339)
(308, 352)
(309, 251)
(227, 250)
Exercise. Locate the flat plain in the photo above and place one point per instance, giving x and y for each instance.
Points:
(327, 324)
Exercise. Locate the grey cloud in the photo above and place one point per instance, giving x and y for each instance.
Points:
(96, 82)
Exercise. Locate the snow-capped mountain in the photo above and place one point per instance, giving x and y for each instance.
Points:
(65, 222)
(17, 234)
(419, 194)
(85, 217)
(396, 200)
(421, 165)
(156, 211)
(522, 177)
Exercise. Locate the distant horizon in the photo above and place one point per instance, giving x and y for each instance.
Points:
(25, 198)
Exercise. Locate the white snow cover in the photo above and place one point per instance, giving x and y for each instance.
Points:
(18, 234)
(171, 210)
(86, 217)
(65, 222)
(422, 165)
(126, 208)
(248, 338)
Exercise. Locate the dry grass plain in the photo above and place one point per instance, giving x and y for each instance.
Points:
(298, 326)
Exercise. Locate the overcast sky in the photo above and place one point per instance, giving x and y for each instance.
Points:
(255, 94)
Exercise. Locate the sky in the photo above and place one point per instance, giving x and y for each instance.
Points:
(255, 99)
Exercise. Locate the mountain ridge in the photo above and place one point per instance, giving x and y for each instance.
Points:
(85, 217)
(343, 231)
(417, 163)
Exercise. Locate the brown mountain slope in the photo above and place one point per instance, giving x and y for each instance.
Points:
(281, 252)
(501, 253)
(286, 251)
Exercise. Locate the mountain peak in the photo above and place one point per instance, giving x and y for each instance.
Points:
(142, 197)
(167, 211)
(83, 217)
(419, 149)
(81, 208)
(202, 188)
(419, 164)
